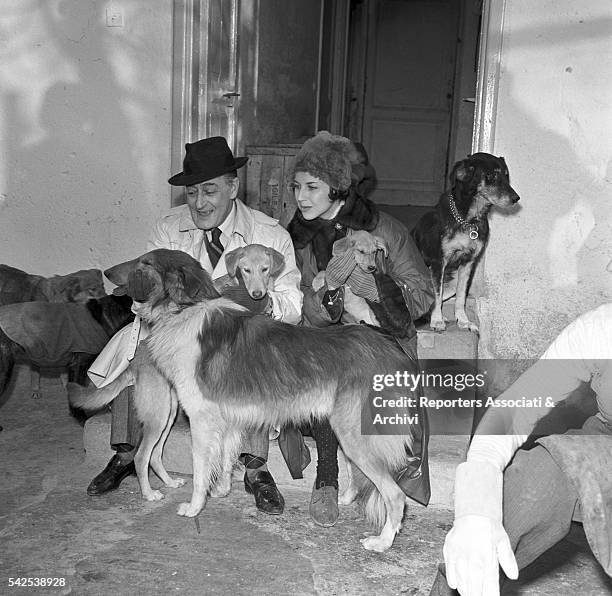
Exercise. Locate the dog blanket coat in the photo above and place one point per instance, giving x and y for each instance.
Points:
(50, 333)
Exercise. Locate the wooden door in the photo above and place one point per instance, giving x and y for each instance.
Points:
(405, 123)
(206, 88)
(219, 85)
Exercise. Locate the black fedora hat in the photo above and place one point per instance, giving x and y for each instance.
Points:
(205, 160)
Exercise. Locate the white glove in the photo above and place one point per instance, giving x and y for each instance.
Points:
(478, 544)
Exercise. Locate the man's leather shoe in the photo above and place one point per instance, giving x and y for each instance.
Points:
(110, 478)
(267, 496)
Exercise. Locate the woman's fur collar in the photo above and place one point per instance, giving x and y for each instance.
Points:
(357, 213)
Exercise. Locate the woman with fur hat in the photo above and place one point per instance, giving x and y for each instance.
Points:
(330, 207)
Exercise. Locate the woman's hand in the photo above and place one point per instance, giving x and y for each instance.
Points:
(319, 281)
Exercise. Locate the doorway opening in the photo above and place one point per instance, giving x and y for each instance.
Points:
(410, 68)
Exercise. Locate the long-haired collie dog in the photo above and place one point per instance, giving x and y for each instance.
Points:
(453, 236)
(231, 370)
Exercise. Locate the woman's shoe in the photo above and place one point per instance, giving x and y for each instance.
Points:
(324, 505)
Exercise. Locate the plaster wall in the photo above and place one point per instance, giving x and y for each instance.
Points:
(84, 131)
(547, 263)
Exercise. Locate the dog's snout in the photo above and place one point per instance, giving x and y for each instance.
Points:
(513, 195)
(257, 294)
(371, 268)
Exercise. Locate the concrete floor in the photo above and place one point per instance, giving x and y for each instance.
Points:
(119, 544)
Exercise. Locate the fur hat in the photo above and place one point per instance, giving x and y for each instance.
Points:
(329, 158)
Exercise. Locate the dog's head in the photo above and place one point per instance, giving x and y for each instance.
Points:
(485, 176)
(111, 312)
(256, 266)
(162, 281)
(79, 286)
(364, 246)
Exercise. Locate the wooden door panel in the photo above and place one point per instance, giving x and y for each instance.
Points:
(408, 99)
(408, 160)
(219, 88)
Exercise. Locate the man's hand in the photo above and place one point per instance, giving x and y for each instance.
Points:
(473, 551)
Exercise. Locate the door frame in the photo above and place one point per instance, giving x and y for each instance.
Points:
(190, 98)
(487, 77)
(185, 63)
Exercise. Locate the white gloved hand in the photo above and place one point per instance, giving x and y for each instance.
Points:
(478, 544)
(473, 551)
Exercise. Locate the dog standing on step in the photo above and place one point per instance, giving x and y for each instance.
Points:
(453, 237)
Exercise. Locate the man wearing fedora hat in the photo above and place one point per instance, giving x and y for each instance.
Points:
(209, 224)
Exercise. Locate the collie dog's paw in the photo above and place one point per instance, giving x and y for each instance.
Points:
(347, 496)
(187, 510)
(175, 482)
(220, 490)
(154, 495)
(375, 543)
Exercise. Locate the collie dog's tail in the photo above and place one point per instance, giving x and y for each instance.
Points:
(83, 398)
(370, 501)
(390, 451)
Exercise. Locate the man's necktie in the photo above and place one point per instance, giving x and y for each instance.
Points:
(214, 248)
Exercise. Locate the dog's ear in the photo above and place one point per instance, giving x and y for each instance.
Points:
(342, 245)
(189, 285)
(504, 167)
(69, 287)
(277, 261)
(231, 261)
(462, 171)
(381, 245)
(194, 285)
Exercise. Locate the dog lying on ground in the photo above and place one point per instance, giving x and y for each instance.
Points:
(454, 236)
(55, 335)
(231, 371)
(18, 286)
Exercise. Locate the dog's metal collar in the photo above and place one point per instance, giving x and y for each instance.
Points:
(470, 228)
